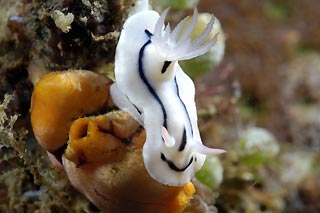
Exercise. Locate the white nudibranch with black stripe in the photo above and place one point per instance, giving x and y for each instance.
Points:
(151, 86)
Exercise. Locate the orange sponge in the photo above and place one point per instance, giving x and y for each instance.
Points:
(61, 97)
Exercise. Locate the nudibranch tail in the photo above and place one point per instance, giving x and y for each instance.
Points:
(202, 149)
(177, 44)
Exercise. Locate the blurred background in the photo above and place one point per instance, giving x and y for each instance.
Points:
(272, 54)
(262, 104)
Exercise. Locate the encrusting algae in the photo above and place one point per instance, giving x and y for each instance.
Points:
(103, 155)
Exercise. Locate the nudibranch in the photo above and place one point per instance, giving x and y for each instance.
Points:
(152, 87)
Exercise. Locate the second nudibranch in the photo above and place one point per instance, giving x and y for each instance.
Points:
(152, 87)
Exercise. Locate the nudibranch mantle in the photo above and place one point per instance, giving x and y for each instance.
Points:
(151, 86)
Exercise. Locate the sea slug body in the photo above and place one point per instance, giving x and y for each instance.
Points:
(152, 87)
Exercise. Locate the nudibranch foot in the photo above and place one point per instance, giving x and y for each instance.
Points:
(124, 103)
